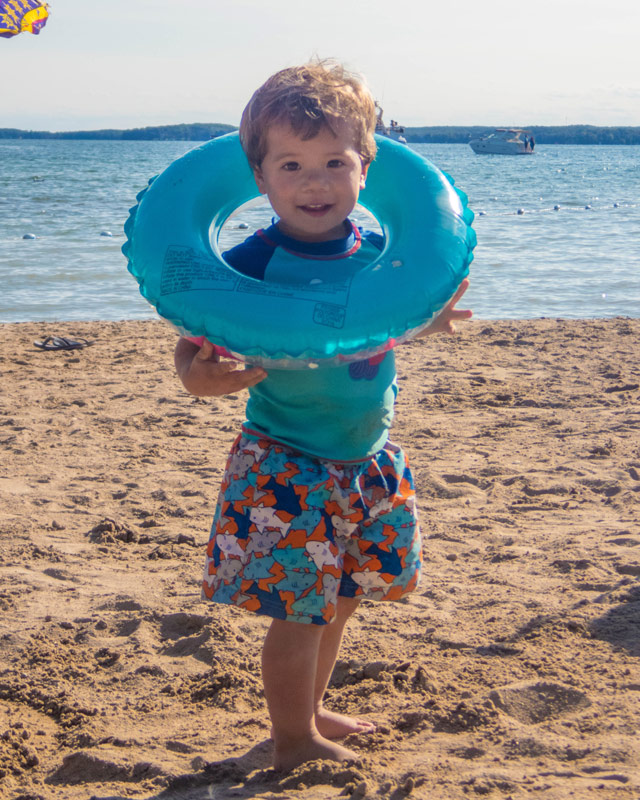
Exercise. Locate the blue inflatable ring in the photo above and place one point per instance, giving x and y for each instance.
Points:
(172, 251)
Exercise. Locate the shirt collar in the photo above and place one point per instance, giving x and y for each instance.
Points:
(335, 248)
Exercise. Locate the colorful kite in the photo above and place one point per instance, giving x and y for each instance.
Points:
(22, 16)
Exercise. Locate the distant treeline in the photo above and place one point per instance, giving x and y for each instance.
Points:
(442, 134)
(544, 134)
(195, 132)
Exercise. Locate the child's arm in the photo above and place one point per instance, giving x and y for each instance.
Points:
(203, 374)
(444, 322)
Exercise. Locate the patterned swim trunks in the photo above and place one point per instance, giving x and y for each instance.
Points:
(292, 533)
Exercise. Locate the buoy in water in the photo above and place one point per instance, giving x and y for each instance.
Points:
(29, 236)
(556, 208)
(106, 233)
(521, 211)
(243, 226)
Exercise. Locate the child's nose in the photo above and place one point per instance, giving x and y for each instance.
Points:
(315, 177)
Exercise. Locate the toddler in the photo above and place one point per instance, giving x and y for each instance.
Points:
(317, 506)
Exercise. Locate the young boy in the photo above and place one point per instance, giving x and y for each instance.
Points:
(317, 507)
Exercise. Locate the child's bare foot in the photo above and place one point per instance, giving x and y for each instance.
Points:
(334, 726)
(289, 755)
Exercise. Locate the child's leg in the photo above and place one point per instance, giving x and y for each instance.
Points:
(329, 723)
(289, 672)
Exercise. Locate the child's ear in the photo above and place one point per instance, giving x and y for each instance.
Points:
(257, 174)
(363, 175)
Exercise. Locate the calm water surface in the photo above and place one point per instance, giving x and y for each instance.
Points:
(582, 260)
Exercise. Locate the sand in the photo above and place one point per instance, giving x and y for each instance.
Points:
(513, 672)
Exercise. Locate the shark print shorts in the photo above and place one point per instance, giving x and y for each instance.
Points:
(292, 533)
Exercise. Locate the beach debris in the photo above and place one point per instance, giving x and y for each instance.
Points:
(61, 343)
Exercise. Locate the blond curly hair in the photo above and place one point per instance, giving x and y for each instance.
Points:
(320, 94)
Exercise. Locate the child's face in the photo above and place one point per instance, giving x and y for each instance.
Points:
(313, 185)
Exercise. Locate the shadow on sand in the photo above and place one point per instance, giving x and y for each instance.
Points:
(216, 780)
(620, 625)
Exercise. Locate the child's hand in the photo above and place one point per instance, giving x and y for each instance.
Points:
(203, 374)
(444, 322)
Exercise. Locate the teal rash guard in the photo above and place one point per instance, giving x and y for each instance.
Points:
(338, 413)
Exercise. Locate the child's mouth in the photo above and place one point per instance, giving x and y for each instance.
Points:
(316, 209)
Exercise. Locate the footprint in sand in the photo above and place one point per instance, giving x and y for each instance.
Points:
(535, 702)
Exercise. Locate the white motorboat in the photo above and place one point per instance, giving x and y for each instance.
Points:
(505, 141)
(392, 131)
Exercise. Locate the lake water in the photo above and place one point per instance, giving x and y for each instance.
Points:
(581, 260)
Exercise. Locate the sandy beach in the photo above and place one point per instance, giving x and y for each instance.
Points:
(513, 672)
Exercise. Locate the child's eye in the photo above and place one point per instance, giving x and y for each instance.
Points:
(291, 166)
(335, 162)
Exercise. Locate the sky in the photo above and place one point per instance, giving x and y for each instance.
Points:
(134, 63)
